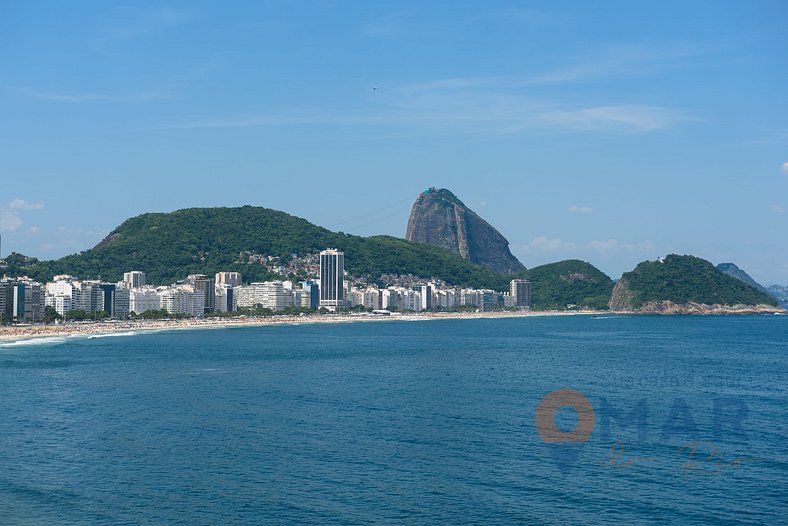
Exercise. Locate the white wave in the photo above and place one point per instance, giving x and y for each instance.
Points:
(112, 335)
(50, 340)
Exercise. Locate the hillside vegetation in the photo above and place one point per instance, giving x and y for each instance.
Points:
(556, 285)
(682, 280)
(168, 246)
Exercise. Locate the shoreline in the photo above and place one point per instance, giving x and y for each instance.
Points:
(12, 334)
(18, 333)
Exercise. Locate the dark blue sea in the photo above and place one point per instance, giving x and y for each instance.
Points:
(428, 422)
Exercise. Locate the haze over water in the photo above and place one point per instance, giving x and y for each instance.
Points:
(398, 422)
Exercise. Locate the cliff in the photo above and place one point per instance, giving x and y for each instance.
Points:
(439, 218)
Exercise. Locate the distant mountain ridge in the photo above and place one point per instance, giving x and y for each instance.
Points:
(781, 293)
(735, 272)
(439, 218)
(168, 246)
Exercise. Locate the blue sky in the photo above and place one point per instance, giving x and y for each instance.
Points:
(607, 131)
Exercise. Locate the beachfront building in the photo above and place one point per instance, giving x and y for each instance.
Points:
(425, 291)
(59, 294)
(389, 299)
(21, 301)
(312, 293)
(275, 297)
(332, 279)
(134, 279)
(270, 295)
(370, 298)
(144, 299)
(206, 287)
(226, 298)
(120, 309)
(247, 296)
(520, 293)
(182, 299)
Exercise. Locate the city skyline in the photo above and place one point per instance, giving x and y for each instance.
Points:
(577, 134)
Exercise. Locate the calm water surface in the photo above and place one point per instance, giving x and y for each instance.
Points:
(427, 422)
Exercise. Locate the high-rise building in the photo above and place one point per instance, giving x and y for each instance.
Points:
(312, 290)
(332, 279)
(520, 291)
(4, 288)
(108, 305)
(426, 296)
(134, 279)
(207, 288)
(88, 296)
(121, 304)
(226, 300)
(231, 279)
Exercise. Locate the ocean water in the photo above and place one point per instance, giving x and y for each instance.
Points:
(428, 422)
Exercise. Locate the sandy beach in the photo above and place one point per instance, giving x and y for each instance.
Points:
(23, 332)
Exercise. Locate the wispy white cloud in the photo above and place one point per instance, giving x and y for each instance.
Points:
(784, 168)
(614, 245)
(620, 61)
(580, 209)
(486, 115)
(9, 220)
(11, 214)
(545, 244)
(629, 118)
(492, 106)
(21, 204)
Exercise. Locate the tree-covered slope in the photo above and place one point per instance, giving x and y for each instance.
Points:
(682, 280)
(168, 246)
(555, 285)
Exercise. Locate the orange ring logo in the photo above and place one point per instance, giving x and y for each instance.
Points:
(552, 402)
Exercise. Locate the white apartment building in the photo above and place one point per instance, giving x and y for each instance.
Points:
(178, 300)
(144, 299)
(275, 297)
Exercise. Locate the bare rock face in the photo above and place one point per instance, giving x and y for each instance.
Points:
(439, 218)
(622, 298)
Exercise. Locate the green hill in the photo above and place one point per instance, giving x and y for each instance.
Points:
(555, 285)
(168, 246)
(682, 280)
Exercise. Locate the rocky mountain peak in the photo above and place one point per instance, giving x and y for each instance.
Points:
(440, 218)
